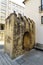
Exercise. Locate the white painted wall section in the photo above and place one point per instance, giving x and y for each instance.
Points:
(32, 11)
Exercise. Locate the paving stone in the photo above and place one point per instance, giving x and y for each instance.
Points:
(35, 57)
(20, 61)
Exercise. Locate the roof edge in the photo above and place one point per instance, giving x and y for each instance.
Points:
(25, 1)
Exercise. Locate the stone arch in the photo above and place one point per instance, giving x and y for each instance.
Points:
(26, 40)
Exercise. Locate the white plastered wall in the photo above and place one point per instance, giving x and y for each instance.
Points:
(32, 11)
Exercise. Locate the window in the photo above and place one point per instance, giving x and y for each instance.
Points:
(1, 26)
(41, 19)
(41, 4)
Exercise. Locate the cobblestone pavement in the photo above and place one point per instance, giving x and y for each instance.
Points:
(34, 57)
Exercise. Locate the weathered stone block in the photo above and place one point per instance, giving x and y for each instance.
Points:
(19, 35)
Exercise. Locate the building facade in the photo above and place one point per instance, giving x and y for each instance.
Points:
(3, 5)
(3, 11)
(7, 7)
(11, 7)
(34, 10)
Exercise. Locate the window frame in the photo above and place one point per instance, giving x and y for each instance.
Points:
(2, 26)
(41, 4)
(41, 20)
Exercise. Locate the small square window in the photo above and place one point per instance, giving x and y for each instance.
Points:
(2, 26)
(41, 19)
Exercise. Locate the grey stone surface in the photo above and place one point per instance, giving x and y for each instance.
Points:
(1, 46)
(34, 57)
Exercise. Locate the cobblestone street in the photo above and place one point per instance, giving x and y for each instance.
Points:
(35, 57)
